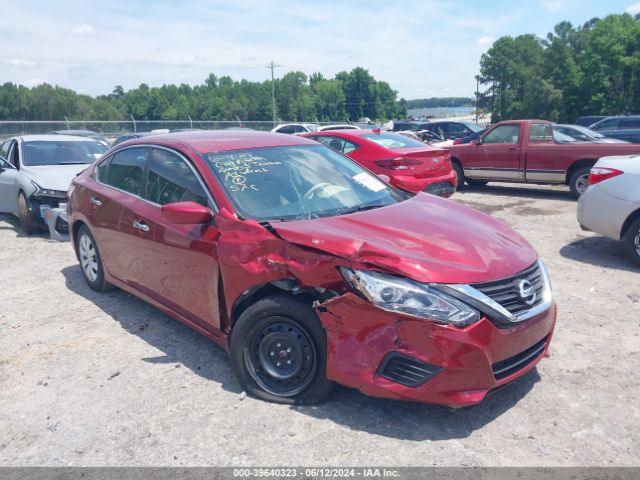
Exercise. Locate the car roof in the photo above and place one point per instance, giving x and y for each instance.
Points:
(74, 131)
(211, 141)
(54, 138)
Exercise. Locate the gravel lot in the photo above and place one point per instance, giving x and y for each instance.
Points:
(105, 379)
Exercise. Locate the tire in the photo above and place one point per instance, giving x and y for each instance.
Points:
(90, 260)
(28, 223)
(476, 183)
(631, 242)
(578, 182)
(460, 173)
(273, 333)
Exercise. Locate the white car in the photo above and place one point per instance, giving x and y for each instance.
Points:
(611, 204)
(338, 126)
(293, 128)
(36, 171)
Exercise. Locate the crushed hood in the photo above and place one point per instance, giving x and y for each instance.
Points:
(54, 177)
(426, 238)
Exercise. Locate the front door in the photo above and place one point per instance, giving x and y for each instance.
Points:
(8, 187)
(497, 156)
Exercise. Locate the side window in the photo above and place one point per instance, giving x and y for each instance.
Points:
(630, 123)
(456, 128)
(338, 144)
(541, 132)
(170, 179)
(610, 124)
(126, 170)
(13, 157)
(4, 151)
(288, 129)
(101, 170)
(506, 134)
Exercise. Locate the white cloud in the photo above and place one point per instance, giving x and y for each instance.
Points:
(633, 9)
(554, 5)
(22, 63)
(82, 29)
(486, 40)
(32, 82)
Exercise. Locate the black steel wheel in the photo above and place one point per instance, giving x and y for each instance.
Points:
(278, 351)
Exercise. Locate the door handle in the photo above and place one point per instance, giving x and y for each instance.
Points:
(140, 226)
(96, 201)
(513, 148)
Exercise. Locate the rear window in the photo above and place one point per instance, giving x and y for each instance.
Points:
(541, 132)
(392, 140)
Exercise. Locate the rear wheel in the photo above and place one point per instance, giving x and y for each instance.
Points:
(579, 181)
(28, 222)
(278, 351)
(631, 241)
(90, 261)
(460, 173)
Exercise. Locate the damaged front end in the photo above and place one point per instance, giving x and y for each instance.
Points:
(49, 209)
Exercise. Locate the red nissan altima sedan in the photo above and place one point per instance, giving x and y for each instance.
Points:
(410, 164)
(310, 271)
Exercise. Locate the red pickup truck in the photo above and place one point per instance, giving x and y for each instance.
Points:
(526, 151)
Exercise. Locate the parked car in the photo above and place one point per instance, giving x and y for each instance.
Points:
(584, 134)
(469, 138)
(292, 128)
(403, 125)
(37, 173)
(338, 126)
(309, 270)
(526, 151)
(611, 204)
(410, 164)
(623, 127)
(450, 130)
(130, 136)
(82, 133)
(589, 120)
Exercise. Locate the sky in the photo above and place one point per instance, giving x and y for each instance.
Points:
(423, 48)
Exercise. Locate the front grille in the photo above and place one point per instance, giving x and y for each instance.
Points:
(504, 368)
(406, 370)
(506, 292)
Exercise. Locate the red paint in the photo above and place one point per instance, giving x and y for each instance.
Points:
(178, 267)
(411, 169)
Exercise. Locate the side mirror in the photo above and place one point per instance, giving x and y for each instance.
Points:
(385, 178)
(186, 213)
(477, 141)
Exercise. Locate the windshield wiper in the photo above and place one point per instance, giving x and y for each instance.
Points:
(361, 208)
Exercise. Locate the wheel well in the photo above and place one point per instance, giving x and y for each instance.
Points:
(576, 165)
(455, 160)
(74, 233)
(290, 286)
(627, 223)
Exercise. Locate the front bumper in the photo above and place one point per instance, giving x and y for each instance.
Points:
(360, 337)
(422, 183)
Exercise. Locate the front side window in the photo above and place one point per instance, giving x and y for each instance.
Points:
(392, 140)
(610, 124)
(505, 134)
(40, 153)
(296, 182)
(170, 179)
(630, 123)
(126, 170)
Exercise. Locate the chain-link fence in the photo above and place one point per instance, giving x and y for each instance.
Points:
(112, 129)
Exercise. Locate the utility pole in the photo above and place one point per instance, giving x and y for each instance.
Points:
(477, 96)
(273, 90)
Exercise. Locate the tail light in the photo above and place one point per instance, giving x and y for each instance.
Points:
(600, 174)
(399, 163)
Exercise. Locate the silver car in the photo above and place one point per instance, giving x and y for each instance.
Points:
(611, 204)
(36, 171)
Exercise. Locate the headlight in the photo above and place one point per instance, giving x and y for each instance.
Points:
(405, 296)
(45, 192)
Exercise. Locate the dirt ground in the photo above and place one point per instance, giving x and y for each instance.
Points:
(105, 379)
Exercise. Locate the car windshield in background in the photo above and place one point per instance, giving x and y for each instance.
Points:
(37, 153)
(296, 183)
(472, 126)
(392, 140)
(588, 132)
(562, 137)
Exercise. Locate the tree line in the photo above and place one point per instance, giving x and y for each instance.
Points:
(593, 69)
(348, 96)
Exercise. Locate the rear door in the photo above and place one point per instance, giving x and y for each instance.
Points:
(498, 155)
(545, 160)
(178, 264)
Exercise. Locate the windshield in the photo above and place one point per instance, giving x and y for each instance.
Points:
(392, 140)
(38, 153)
(588, 132)
(561, 137)
(472, 126)
(296, 182)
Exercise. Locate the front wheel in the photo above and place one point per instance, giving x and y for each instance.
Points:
(27, 221)
(278, 351)
(631, 241)
(90, 260)
(579, 181)
(460, 174)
